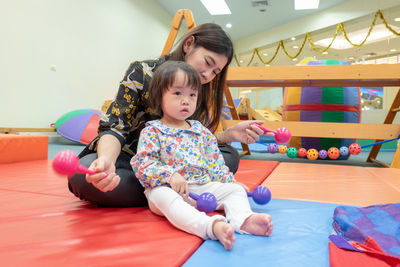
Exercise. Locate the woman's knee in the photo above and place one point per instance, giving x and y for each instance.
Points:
(231, 157)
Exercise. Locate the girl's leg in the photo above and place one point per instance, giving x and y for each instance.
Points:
(232, 198)
(129, 192)
(166, 202)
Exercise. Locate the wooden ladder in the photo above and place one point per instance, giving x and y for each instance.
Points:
(176, 24)
(388, 120)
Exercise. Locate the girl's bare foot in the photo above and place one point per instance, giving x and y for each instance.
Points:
(258, 224)
(225, 233)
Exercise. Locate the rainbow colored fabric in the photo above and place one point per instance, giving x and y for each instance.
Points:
(373, 229)
(322, 104)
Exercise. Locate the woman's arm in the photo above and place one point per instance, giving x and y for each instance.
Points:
(244, 132)
(109, 147)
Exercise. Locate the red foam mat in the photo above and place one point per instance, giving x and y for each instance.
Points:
(42, 224)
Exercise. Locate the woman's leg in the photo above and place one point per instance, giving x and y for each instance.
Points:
(231, 157)
(129, 192)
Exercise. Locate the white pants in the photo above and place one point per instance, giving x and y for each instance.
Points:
(232, 198)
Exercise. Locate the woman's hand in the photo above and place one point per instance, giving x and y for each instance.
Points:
(244, 132)
(106, 179)
(178, 184)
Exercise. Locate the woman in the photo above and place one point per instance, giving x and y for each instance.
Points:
(209, 50)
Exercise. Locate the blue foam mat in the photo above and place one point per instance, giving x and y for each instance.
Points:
(300, 238)
(256, 147)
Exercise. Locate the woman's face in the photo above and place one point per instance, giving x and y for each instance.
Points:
(207, 63)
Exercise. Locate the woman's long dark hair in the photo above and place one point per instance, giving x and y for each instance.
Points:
(211, 37)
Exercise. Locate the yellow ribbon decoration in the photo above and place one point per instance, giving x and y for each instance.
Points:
(307, 37)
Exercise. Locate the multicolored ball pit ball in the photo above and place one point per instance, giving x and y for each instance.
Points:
(355, 149)
(344, 151)
(282, 149)
(322, 154)
(312, 154)
(333, 153)
(291, 152)
(272, 148)
(302, 152)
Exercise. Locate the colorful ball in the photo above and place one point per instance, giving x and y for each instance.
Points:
(344, 151)
(355, 149)
(291, 152)
(302, 152)
(333, 153)
(322, 154)
(272, 148)
(79, 125)
(312, 154)
(282, 149)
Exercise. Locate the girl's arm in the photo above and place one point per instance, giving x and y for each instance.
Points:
(147, 165)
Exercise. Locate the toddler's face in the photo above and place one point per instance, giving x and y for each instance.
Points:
(179, 101)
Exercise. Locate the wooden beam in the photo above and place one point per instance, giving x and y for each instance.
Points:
(322, 75)
(332, 130)
(22, 130)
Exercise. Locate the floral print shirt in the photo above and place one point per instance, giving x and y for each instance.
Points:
(193, 153)
(129, 111)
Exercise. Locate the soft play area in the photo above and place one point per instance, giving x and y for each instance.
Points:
(43, 224)
(334, 182)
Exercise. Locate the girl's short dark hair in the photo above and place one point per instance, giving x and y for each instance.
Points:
(164, 77)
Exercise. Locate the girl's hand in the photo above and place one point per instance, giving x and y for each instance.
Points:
(178, 184)
(244, 132)
(106, 179)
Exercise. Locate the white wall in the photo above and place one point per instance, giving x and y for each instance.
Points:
(91, 43)
(348, 10)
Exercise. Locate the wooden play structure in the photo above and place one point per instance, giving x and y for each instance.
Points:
(333, 75)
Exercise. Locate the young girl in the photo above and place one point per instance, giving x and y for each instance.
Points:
(176, 155)
(209, 50)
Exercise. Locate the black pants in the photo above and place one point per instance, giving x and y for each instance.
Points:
(129, 192)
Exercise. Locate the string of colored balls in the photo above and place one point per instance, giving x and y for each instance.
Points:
(313, 154)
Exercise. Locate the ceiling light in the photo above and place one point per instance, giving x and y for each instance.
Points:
(380, 32)
(228, 25)
(294, 59)
(265, 54)
(295, 47)
(397, 19)
(351, 58)
(216, 7)
(393, 50)
(325, 53)
(306, 4)
(293, 38)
